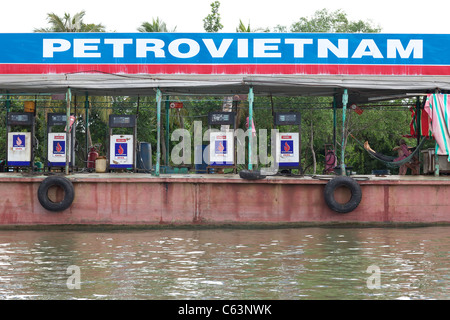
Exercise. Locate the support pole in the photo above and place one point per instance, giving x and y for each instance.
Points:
(167, 130)
(86, 118)
(334, 121)
(418, 126)
(68, 100)
(158, 130)
(8, 105)
(344, 111)
(250, 127)
(436, 161)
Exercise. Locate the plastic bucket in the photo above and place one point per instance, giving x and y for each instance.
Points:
(100, 165)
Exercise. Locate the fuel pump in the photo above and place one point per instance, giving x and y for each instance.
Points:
(122, 147)
(222, 153)
(288, 144)
(20, 144)
(60, 142)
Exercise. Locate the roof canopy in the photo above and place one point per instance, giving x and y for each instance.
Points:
(370, 66)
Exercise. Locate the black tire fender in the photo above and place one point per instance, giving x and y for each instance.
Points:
(62, 182)
(251, 175)
(342, 181)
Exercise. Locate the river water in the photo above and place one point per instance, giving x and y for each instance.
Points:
(280, 264)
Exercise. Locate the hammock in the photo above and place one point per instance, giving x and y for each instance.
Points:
(388, 160)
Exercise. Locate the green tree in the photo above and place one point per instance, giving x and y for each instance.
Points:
(156, 26)
(69, 23)
(332, 21)
(211, 23)
(242, 27)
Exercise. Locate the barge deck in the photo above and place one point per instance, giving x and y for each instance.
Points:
(143, 200)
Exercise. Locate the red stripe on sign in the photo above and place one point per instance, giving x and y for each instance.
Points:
(338, 69)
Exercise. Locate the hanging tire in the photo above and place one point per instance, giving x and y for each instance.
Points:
(349, 183)
(251, 175)
(64, 184)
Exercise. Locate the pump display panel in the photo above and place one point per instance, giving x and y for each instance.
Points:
(221, 118)
(122, 121)
(20, 118)
(57, 119)
(287, 118)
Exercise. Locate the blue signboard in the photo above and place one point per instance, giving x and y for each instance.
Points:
(59, 147)
(121, 149)
(287, 147)
(18, 142)
(221, 147)
(225, 53)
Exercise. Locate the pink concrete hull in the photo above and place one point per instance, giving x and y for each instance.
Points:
(219, 200)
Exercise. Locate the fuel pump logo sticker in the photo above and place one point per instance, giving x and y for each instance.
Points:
(18, 142)
(120, 150)
(59, 148)
(287, 147)
(221, 147)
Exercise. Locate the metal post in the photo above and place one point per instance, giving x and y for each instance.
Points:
(167, 130)
(344, 111)
(334, 121)
(418, 127)
(250, 127)
(8, 104)
(86, 118)
(68, 100)
(158, 130)
(436, 161)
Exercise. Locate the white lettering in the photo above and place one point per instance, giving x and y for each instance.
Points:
(54, 45)
(118, 45)
(142, 48)
(395, 45)
(74, 281)
(184, 48)
(174, 48)
(374, 280)
(299, 45)
(80, 48)
(242, 48)
(367, 44)
(220, 52)
(260, 48)
(323, 45)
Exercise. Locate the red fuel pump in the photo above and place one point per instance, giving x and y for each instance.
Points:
(92, 156)
(330, 159)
